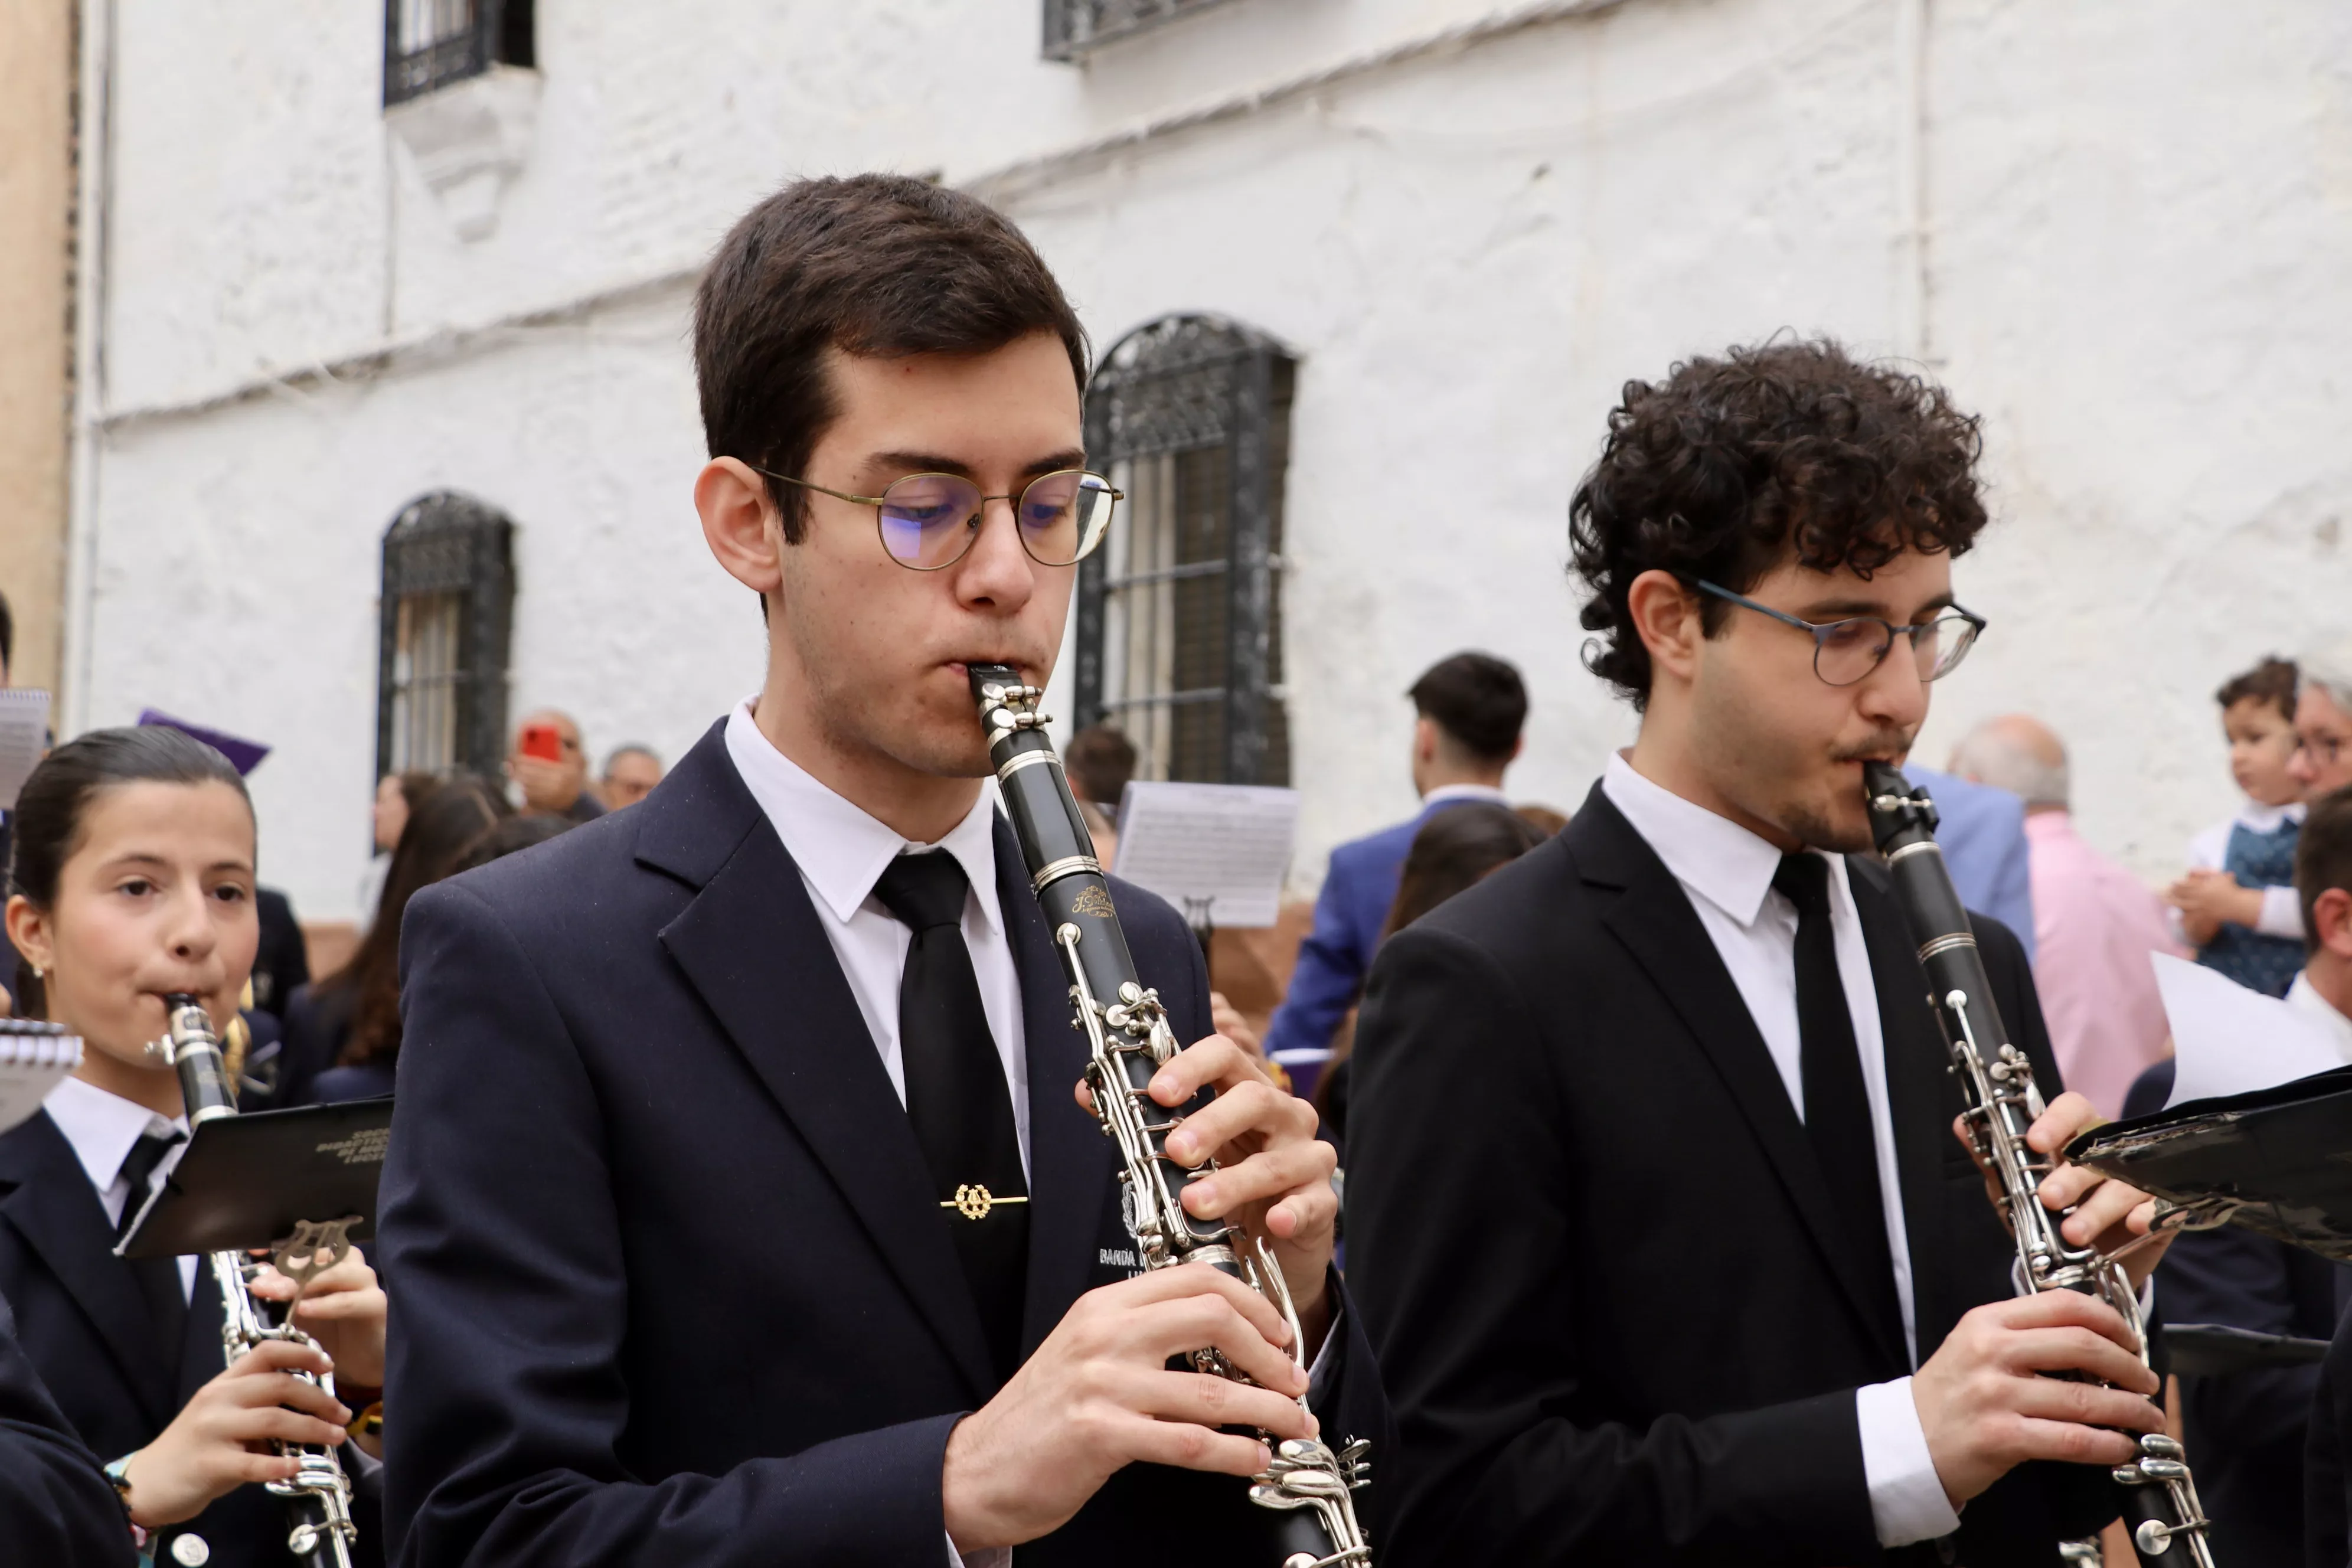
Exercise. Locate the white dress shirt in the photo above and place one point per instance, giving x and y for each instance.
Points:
(2282, 910)
(2322, 1011)
(842, 852)
(1464, 792)
(1726, 871)
(102, 1128)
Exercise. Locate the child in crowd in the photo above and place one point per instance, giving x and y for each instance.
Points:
(131, 878)
(2237, 904)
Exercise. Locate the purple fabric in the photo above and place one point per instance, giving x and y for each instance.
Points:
(243, 755)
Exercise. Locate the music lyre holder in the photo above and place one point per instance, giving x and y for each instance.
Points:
(299, 1182)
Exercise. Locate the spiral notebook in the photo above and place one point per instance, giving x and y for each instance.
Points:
(34, 1057)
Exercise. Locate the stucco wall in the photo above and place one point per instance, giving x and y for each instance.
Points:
(2136, 238)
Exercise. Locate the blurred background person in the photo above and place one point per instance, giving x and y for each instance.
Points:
(1981, 830)
(1469, 711)
(549, 767)
(1098, 761)
(2095, 923)
(2246, 1430)
(396, 794)
(352, 1017)
(1544, 819)
(630, 774)
(2322, 762)
(1451, 850)
(2237, 906)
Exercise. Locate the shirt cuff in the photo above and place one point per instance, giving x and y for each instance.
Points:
(986, 1557)
(2282, 914)
(1907, 1499)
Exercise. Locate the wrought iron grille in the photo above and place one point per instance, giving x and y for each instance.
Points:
(1075, 26)
(447, 611)
(429, 44)
(1179, 615)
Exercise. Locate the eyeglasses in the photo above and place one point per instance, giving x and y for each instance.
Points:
(2326, 748)
(928, 521)
(1847, 651)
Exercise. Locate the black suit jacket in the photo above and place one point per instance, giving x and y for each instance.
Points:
(1617, 1323)
(83, 1325)
(282, 961)
(674, 1286)
(55, 1504)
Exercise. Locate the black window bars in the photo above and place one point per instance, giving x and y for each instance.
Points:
(446, 617)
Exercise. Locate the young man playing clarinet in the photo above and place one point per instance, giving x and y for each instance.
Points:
(1714, 1282)
(690, 1097)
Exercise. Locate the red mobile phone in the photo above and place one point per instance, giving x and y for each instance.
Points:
(542, 741)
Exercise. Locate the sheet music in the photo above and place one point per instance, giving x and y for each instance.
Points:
(2229, 1040)
(31, 1066)
(24, 733)
(1217, 852)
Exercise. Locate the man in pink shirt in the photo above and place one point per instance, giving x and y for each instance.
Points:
(2093, 922)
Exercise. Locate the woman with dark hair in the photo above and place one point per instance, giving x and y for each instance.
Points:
(352, 1017)
(131, 879)
(1455, 849)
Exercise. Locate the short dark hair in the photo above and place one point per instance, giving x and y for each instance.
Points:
(1100, 760)
(1477, 699)
(879, 264)
(1729, 466)
(46, 827)
(2323, 856)
(2271, 681)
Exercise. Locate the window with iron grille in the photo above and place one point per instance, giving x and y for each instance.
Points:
(447, 610)
(1179, 613)
(1075, 26)
(432, 43)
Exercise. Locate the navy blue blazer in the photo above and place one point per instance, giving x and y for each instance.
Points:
(83, 1325)
(674, 1283)
(56, 1505)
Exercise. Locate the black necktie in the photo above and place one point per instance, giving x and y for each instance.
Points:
(1837, 1108)
(159, 1277)
(956, 1094)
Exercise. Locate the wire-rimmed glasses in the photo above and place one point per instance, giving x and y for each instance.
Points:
(928, 521)
(1847, 651)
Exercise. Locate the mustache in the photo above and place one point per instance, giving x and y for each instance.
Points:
(1884, 745)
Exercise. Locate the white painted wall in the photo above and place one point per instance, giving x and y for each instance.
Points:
(2138, 222)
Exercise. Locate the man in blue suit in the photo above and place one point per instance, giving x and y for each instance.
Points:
(1470, 708)
(741, 1197)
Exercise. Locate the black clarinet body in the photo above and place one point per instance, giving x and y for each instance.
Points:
(2000, 1103)
(318, 1500)
(1128, 1038)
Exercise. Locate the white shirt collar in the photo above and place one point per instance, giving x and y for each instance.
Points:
(2256, 817)
(1712, 856)
(1464, 792)
(2303, 997)
(841, 850)
(102, 1127)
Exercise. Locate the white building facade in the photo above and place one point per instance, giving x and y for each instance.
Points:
(1432, 239)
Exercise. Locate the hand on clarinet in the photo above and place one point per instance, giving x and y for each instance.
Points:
(1275, 1176)
(218, 1441)
(1098, 1395)
(2109, 1214)
(344, 1309)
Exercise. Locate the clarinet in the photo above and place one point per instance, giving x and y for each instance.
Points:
(319, 1495)
(1129, 1038)
(2002, 1103)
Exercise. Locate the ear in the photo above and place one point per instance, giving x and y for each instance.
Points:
(28, 928)
(2331, 918)
(1424, 739)
(1666, 617)
(740, 523)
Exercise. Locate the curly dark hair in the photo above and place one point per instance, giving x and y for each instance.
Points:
(1729, 466)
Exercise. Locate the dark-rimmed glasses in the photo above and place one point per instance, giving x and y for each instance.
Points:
(1847, 651)
(928, 521)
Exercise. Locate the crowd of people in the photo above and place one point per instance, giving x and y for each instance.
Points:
(742, 1204)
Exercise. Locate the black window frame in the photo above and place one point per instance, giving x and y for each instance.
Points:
(447, 543)
(501, 32)
(1185, 383)
(1074, 28)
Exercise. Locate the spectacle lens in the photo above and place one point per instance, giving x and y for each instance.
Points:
(1847, 651)
(929, 520)
(1062, 516)
(1943, 645)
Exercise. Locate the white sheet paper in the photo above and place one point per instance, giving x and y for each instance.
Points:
(1217, 852)
(2229, 1040)
(24, 732)
(31, 1066)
